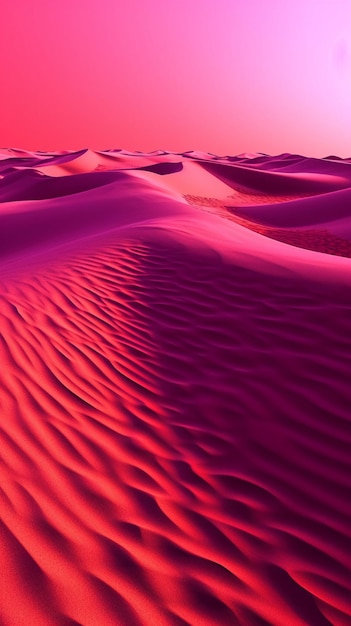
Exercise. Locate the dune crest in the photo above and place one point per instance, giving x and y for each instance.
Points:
(175, 340)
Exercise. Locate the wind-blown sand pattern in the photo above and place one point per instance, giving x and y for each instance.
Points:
(175, 345)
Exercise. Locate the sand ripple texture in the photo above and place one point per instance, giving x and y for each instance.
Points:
(175, 399)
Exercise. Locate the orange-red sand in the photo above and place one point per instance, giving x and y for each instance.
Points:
(175, 400)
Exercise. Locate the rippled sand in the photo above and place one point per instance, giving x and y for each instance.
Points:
(175, 400)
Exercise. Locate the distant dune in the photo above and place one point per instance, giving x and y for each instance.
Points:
(175, 348)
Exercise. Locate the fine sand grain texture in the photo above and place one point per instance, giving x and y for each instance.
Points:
(175, 400)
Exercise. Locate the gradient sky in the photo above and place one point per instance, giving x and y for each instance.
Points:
(223, 76)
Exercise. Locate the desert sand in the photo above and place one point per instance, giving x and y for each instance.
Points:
(175, 400)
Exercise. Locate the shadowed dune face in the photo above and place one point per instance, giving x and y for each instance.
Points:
(33, 185)
(175, 395)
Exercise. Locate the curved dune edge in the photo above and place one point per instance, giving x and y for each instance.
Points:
(322, 238)
(175, 402)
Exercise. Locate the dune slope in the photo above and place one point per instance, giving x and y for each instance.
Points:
(175, 390)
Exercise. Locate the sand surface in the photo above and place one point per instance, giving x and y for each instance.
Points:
(175, 399)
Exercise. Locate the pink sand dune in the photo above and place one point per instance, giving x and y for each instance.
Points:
(326, 210)
(278, 182)
(175, 341)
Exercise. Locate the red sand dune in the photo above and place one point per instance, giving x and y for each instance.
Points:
(175, 389)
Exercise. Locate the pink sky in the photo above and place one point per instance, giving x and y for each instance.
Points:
(224, 76)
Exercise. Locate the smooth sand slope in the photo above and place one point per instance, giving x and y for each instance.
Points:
(175, 401)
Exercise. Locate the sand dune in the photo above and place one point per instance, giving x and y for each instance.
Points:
(175, 390)
(275, 181)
